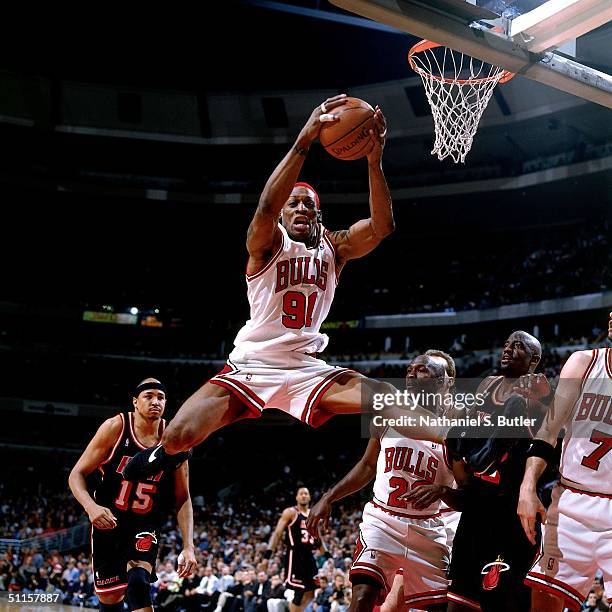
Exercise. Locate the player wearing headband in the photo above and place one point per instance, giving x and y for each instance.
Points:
(126, 516)
(292, 270)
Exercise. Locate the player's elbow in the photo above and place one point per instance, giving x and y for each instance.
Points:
(384, 229)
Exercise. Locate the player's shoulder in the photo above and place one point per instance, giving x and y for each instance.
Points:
(290, 512)
(486, 382)
(578, 363)
(112, 427)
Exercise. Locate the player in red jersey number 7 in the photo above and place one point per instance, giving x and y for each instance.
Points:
(292, 271)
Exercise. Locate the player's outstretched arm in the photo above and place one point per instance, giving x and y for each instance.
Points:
(184, 513)
(286, 517)
(263, 236)
(557, 416)
(365, 235)
(97, 451)
(359, 476)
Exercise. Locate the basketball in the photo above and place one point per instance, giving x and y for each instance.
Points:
(349, 138)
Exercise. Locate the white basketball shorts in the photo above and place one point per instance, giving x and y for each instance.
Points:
(289, 381)
(388, 544)
(577, 541)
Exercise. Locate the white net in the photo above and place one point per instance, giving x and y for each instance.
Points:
(458, 88)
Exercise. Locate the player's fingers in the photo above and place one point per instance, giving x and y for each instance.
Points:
(542, 515)
(527, 528)
(335, 101)
(328, 118)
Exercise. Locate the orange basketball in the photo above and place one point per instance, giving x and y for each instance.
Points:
(349, 138)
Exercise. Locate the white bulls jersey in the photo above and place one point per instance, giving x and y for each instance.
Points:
(586, 460)
(404, 464)
(289, 299)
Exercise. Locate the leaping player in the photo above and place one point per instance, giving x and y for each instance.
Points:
(578, 524)
(292, 271)
(300, 565)
(400, 532)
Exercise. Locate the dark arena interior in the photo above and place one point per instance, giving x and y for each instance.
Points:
(131, 173)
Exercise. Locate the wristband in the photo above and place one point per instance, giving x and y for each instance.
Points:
(542, 449)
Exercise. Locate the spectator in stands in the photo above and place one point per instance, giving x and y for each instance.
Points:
(208, 589)
(322, 596)
(340, 598)
(276, 597)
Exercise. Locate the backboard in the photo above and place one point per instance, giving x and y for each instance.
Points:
(561, 43)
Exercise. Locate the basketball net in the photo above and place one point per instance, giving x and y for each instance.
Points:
(458, 88)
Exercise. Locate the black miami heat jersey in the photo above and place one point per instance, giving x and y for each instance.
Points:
(132, 502)
(297, 537)
(300, 566)
(505, 477)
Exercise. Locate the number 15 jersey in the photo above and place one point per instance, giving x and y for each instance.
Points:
(289, 299)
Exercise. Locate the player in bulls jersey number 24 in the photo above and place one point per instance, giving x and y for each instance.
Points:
(293, 267)
(395, 535)
(126, 516)
(578, 524)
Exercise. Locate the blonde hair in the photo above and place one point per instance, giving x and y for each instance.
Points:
(450, 368)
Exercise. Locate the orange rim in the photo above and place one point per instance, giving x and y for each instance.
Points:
(425, 45)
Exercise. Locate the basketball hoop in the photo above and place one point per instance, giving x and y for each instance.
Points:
(458, 88)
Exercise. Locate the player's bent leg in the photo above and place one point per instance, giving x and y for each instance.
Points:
(365, 597)
(208, 409)
(546, 602)
(352, 393)
(301, 599)
(111, 602)
(138, 590)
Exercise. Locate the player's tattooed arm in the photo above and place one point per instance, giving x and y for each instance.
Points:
(263, 236)
(559, 413)
(359, 476)
(93, 456)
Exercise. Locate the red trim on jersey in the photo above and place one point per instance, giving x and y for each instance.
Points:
(427, 598)
(239, 394)
(115, 445)
(255, 399)
(470, 603)
(251, 277)
(584, 491)
(589, 368)
(133, 431)
(315, 397)
(445, 457)
(609, 361)
(570, 595)
(123, 585)
(370, 570)
(410, 516)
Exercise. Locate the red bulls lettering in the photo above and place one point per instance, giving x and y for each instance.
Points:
(400, 459)
(595, 407)
(301, 271)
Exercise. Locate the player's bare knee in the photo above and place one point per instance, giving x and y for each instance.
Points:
(178, 437)
(111, 599)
